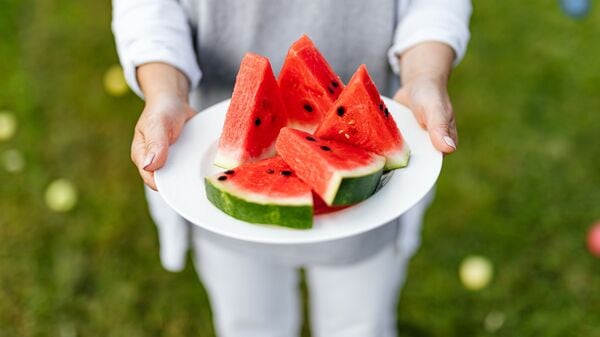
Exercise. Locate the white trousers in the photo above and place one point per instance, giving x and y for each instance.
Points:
(253, 295)
(256, 298)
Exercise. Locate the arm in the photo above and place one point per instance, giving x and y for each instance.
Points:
(154, 43)
(431, 37)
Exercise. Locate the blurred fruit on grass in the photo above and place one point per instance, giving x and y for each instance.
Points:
(493, 321)
(114, 81)
(61, 195)
(575, 8)
(13, 161)
(475, 272)
(593, 239)
(8, 125)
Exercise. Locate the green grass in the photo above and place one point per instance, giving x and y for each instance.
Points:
(522, 190)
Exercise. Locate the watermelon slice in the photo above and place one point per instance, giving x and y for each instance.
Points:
(264, 192)
(339, 173)
(360, 117)
(255, 115)
(308, 85)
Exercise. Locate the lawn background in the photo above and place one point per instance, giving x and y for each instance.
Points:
(522, 190)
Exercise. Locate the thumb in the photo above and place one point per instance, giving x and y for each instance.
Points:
(442, 130)
(157, 145)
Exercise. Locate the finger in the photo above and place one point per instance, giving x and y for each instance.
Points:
(442, 141)
(453, 130)
(442, 129)
(433, 111)
(138, 149)
(138, 152)
(148, 178)
(156, 142)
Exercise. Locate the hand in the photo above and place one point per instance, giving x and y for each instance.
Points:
(425, 69)
(159, 126)
(428, 99)
(166, 91)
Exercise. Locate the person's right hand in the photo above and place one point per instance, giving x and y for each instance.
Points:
(159, 126)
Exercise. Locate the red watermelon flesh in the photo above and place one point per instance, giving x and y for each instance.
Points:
(309, 85)
(360, 117)
(320, 207)
(265, 192)
(339, 173)
(255, 115)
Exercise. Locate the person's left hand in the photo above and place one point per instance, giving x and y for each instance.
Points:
(428, 99)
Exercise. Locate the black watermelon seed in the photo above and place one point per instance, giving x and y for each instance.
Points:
(387, 112)
(286, 173)
(308, 108)
(325, 148)
(340, 111)
(221, 178)
(381, 106)
(257, 122)
(229, 172)
(330, 89)
(334, 83)
(270, 171)
(310, 138)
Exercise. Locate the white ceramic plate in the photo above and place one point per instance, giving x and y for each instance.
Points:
(190, 159)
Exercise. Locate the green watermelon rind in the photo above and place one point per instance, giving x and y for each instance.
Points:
(398, 159)
(292, 216)
(356, 189)
(349, 187)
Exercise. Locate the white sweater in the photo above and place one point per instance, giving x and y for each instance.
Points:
(210, 37)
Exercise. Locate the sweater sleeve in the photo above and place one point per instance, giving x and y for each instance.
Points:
(153, 31)
(445, 21)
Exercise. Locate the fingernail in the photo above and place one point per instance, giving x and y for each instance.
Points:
(149, 159)
(450, 142)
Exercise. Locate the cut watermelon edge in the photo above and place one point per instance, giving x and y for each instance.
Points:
(230, 159)
(310, 128)
(258, 198)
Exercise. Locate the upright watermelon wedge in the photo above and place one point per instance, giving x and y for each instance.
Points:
(360, 117)
(255, 115)
(308, 85)
(339, 173)
(263, 192)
